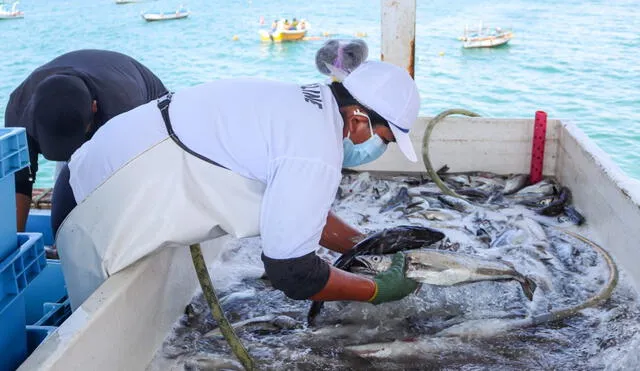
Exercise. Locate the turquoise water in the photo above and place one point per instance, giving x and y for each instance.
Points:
(576, 60)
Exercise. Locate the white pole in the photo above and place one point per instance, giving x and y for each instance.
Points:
(399, 33)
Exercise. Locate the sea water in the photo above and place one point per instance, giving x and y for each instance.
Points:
(576, 60)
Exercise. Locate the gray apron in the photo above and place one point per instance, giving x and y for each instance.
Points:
(168, 196)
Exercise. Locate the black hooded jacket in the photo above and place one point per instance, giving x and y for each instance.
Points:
(116, 81)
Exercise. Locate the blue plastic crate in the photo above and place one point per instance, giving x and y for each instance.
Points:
(46, 305)
(21, 267)
(36, 335)
(16, 272)
(14, 153)
(48, 288)
(40, 221)
(13, 337)
(8, 240)
(55, 314)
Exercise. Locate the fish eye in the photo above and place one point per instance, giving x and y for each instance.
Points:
(376, 258)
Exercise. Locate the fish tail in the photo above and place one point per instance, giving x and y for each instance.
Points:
(528, 287)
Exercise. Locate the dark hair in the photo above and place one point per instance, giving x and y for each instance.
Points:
(344, 98)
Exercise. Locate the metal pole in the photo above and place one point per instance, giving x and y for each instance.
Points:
(399, 33)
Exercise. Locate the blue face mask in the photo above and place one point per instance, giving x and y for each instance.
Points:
(365, 152)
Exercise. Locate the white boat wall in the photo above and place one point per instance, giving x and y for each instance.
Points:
(121, 326)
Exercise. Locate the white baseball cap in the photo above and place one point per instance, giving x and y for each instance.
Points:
(390, 91)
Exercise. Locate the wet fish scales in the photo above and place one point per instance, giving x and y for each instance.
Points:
(401, 198)
(456, 203)
(515, 183)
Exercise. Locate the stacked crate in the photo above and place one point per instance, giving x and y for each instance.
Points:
(22, 256)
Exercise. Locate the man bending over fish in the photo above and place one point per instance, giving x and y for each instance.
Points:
(244, 157)
(62, 103)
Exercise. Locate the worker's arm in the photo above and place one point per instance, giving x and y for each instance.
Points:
(309, 277)
(338, 235)
(24, 180)
(23, 205)
(343, 285)
(386, 286)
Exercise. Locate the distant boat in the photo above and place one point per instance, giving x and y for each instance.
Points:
(14, 13)
(485, 37)
(165, 16)
(128, 1)
(282, 33)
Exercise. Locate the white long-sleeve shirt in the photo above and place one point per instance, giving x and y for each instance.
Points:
(285, 135)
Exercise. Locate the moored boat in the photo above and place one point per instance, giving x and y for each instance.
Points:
(284, 31)
(14, 13)
(282, 35)
(485, 37)
(180, 13)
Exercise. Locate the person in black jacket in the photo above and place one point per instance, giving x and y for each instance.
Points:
(62, 103)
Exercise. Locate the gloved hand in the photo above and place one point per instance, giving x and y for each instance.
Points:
(392, 284)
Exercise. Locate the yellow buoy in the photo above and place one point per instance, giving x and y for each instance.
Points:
(234, 38)
(326, 34)
(441, 54)
(361, 34)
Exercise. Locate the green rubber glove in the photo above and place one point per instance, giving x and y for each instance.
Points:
(392, 284)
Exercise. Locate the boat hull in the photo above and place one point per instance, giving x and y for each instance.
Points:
(280, 36)
(487, 41)
(131, 313)
(152, 17)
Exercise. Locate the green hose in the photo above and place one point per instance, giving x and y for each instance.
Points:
(600, 297)
(597, 299)
(425, 147)
(207, 289)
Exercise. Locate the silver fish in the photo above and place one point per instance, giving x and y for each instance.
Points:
(205, 361)
(237, 296)
(277, 321)
(542, 188)
(400, 199)
(440, 214)
(421, 347)
(446, 268)
(515, 183)
(387, 241)
(456, 203)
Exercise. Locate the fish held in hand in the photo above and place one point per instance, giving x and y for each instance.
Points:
(446, 268)
(387, 241)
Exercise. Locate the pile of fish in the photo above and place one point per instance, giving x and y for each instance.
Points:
(420, 197)
(485, 263)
